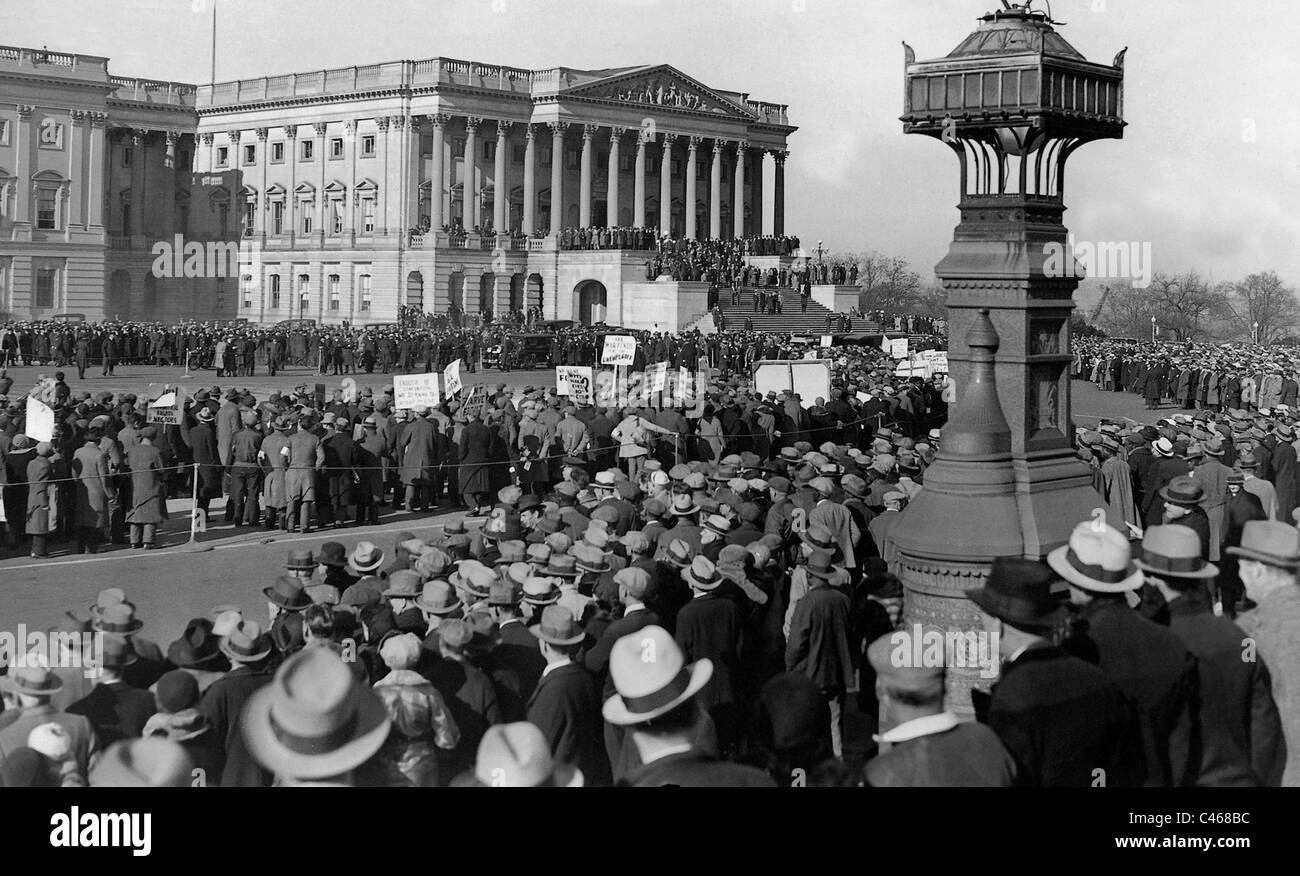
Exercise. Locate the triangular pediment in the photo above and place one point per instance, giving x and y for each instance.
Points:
(660, 87)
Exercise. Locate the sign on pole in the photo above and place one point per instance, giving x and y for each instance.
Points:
(475, 402)
(575, 382)
(451, 378)
(165, 410)
(411, 391)
(657, 377)
(898, 348)
(40, 420)
(618, 350)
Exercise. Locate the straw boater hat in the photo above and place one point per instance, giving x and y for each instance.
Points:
(558, 626)
(1173, 551)
(314, 720)
(645, 688)
(247, 643)
(519, 756)
(1269, 542)
(1097, 558)
(365, 558)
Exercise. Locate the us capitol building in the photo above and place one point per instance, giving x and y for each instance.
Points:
(342, 194)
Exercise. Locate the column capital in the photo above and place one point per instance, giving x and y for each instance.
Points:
(503, 128)
(262, 133)
(78, 117)
(779, 156)
(206, 138)
(291, 132)
(558, 128)
(234, 136)
(440, 120)
(138, 135)
(589, 131)
(381, 122)
(741, 146)
(174, 136)
(719, 145)
(25, 111)
(669, 140)
(97, 120)
(693, 142)
(414, 122)
(398, 122)
(349, 126)
(530, 133)
(616, 133)
(472, 123)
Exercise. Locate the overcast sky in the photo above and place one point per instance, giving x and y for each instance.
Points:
(1208, 171)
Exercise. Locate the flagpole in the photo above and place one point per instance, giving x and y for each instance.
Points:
(194, 546)
(213, 79)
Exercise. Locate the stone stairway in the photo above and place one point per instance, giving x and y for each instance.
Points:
(792, 318)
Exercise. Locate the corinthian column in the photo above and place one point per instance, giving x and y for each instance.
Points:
(715, 191)
(666, 186)
(500, 188)
(692, 147)
(638, 187)
(611, 196)
(584, 183)
(530, 180)
(557, 175)
(469, 192)
(738, 201)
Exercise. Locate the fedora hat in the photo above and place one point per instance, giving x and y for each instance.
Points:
(648, 688)
(203, 414)
(1163, 447)
(288, 593)
(1183, 490)
(333, 554)
(1097, 558)
(1173, 551)
(821, 564)
(247, 643)
(196, 646)
(718, 524)
(35, 681)
(519, 756)
(558, 626)
(438, 598)
(300, 560)
(541, 591)
(403, 584)
(702, 574)
(683, 504)
(1019, 592)
(562, 566)
(117, 652)
(315, 719)
(679, 553)
(506, 592)
(474, 578)
(143, 763)
(117, 619)
(365, 558)
(1270, 542)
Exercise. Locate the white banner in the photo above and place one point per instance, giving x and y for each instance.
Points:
(828, 340)
(569, 378)
(937, 359)
(411, 391)
(898, 348)
(451, 378)
(40, 420)
(164, 410)
(656, 377)
(618, 350)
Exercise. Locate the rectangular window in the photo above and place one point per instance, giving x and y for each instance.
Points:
(275, 291)
(4, 132)
(458, 147)
(277, 153)
(489, 150)
(336, 216)
(574, 157)
(247, 282)
(545, 157)
(223, 219)
(250, 153)
(308, 150)
(46, 278)
(304, 292)
(223, 156)
(250, 212)
(47, 207)
(676, 169)
(184, 160)
(277, 217)
(221, 293)
(368, 146)
(626, 162)
(334, 291)
(520, 153)
(306, 217)
(365, 292)
(336, 147)
(368, 214)
(701, 171)
(127, 154)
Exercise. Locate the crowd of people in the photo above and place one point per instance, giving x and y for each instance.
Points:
(735, 541)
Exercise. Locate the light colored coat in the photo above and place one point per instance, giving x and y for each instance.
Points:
(1274, 624)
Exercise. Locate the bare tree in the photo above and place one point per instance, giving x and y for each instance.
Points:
(888, 283)
(1262, 300)
(1125, 312)
(1186, 306)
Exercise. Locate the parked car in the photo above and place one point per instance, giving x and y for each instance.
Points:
(533, 350)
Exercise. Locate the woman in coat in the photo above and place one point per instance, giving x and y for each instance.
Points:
(40, 499)
(711, 433)
(148, 490)
(93, 492)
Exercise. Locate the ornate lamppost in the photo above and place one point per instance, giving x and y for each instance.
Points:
(1013, 102)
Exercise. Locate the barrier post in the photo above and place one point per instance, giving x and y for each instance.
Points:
(194, 545)
(188, 354)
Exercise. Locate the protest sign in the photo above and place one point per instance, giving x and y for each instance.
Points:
(475, 402)
(165, 410)
(898, 348)
(656, 377)
(411, 391)
(618, 350)
(40, 420)
(451, 378)
(575, 382)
